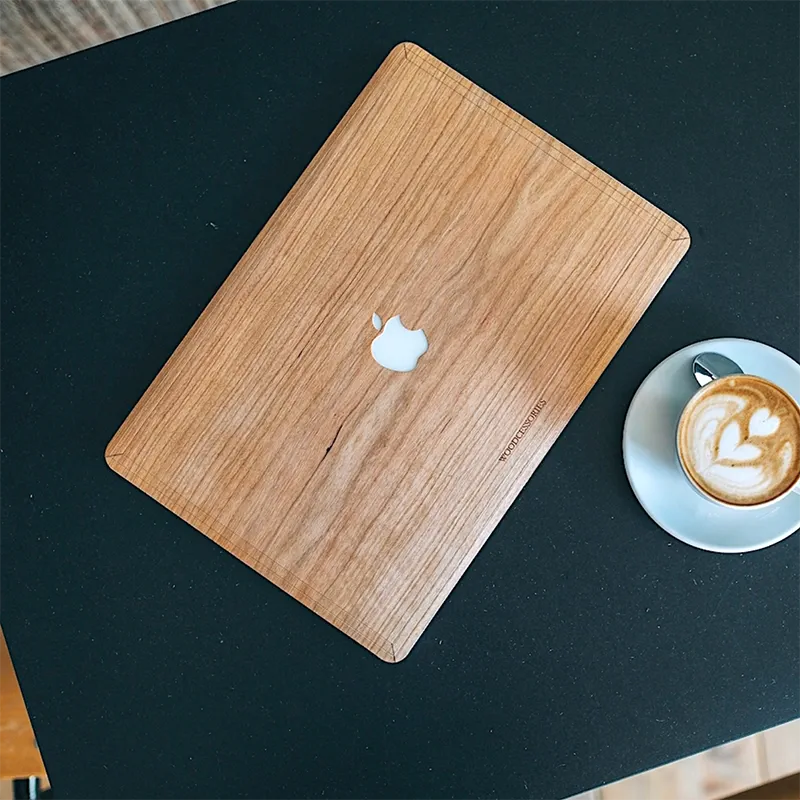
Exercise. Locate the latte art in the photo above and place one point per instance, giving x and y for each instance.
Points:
(739, 440)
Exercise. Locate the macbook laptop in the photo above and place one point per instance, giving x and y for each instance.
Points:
(396, 352)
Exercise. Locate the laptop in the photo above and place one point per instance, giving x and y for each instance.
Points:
(384, 369)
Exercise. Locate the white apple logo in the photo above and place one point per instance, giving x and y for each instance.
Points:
(396, 347)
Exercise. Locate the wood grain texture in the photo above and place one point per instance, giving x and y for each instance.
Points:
(35, 31)
(19, 755)
(364, 493)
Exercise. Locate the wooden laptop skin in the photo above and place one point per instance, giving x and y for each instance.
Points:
(363, 492)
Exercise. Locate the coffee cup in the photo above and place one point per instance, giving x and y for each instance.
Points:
(738, 442)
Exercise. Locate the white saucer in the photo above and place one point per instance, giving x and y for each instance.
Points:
(648, 449)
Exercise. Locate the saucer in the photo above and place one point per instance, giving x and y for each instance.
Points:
(648, 449)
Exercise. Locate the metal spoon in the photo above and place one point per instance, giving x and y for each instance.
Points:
(708, 367)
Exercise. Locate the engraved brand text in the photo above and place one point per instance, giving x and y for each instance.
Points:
(523, 429)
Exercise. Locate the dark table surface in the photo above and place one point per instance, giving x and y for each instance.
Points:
(584, 643)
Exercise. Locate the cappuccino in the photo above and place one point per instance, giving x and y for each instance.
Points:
(739, 440)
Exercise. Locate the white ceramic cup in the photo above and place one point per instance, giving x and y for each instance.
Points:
(794, 487)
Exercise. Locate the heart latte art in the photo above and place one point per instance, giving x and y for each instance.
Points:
(739, 440)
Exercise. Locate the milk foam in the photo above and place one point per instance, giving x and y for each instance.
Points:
(739, 440)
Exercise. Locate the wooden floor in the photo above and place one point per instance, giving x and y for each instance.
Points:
(717, 773)
(783, 789)
(34, 31)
